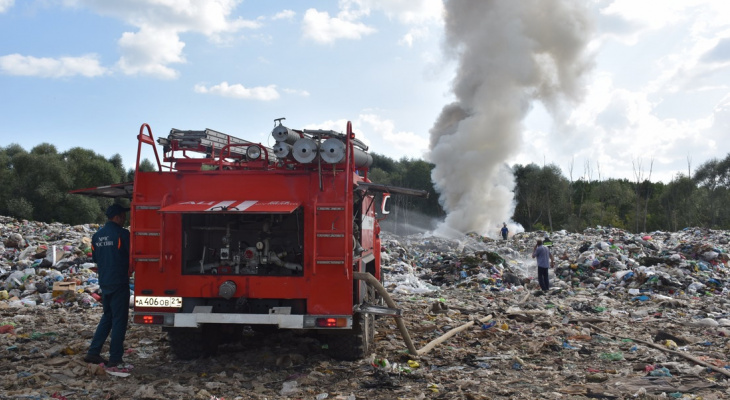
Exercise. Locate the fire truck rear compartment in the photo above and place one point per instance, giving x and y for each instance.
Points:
(242, 244)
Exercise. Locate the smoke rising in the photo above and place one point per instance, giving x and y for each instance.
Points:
(509, 54)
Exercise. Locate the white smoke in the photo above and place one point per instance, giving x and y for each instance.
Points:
(509, 53)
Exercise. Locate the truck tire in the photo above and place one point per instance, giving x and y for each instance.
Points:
(356, 344)
(360, 341)
(191, 344)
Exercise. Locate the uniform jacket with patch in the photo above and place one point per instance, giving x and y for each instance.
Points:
(110, 252)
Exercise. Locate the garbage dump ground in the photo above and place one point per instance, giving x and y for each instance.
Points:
(628, 316)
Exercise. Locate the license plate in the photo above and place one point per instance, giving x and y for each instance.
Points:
(151, 301)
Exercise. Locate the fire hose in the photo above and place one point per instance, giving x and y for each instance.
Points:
(370, 280)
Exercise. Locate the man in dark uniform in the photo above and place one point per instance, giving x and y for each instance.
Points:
(110, 252)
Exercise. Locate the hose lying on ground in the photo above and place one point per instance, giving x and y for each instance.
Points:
(370, 280)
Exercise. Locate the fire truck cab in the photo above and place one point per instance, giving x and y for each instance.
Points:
(228, 233)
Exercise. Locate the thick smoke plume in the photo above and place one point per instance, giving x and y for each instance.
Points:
(509, 54)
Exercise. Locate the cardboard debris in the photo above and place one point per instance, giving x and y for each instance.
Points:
(60, 287)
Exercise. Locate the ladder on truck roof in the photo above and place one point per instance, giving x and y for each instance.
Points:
(208, 141)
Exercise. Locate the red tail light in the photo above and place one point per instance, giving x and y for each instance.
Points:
(149, 319)
(331, 322)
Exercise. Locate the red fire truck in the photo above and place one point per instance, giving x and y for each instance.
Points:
(228, 233)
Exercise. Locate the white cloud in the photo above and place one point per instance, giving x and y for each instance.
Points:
(656, 96)
(297, 92)
(321, 28)
(629, 19)
(208, 17)
(395, 142)
(651, 14)
(379, 133)
(149, 51)
(17, 64)
(693, 31)
(418, 15)
(720, 53)
(691, 67)
(406, 11)
(286, 14)
(5, 5)
(160, 24)
(413, 35)
(238, 91)
(615, 127)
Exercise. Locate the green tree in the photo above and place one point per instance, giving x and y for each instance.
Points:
(655, 218)
(384, 163)
(145, 166)
(714, 177)
(677, 202)
(43, 180)
(8, 177)
(20, 208)
(554, 191)
(82, 210)
(527, 192)
(89, 169)
(418, 176)
(618, 198)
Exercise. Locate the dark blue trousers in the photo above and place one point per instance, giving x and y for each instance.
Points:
(114, 321)
(542, 278)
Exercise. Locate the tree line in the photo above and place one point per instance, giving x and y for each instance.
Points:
(547, 200)
(36, 184)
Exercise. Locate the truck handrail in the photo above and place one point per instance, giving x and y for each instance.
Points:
(148, 139)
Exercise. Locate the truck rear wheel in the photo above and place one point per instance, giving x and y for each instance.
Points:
(360, 341)
(356, 344)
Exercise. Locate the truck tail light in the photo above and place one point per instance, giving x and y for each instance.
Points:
(149, 319)
(331, 322)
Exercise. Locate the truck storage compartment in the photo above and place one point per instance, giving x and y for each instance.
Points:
(262, 244)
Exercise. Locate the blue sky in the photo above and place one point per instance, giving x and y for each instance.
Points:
(89, 72)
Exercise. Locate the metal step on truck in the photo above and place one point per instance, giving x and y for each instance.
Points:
(228, 234)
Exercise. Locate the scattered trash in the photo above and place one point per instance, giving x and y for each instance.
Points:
(668, 288)
(660, 372)
(289, 388)
(616, 356)
(489, 324)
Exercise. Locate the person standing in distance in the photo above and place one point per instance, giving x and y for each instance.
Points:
(544, 262)
(110, 252)
(504, 231)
